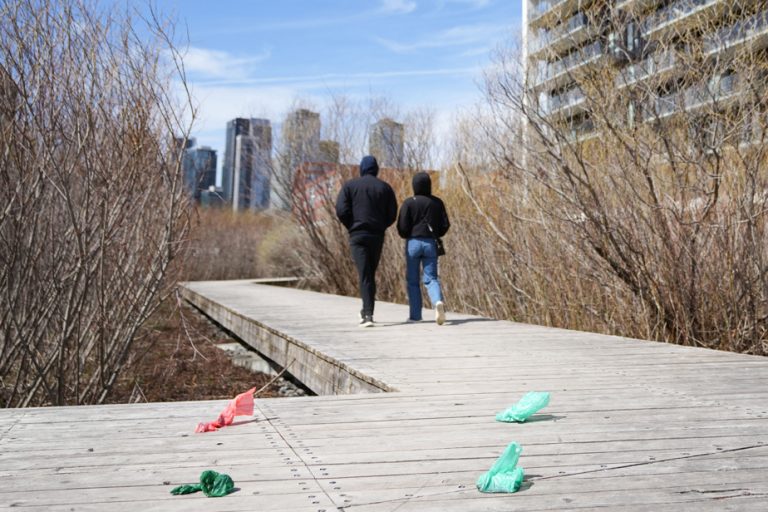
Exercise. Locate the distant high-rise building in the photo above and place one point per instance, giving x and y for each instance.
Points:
(183, 143)
(211, 198)
(329, 151)
(386, 143)
(235, 127)
(301, 136)
(199, 166)
(300, 143)
(247, 163)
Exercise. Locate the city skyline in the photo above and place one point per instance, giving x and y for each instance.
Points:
(256, 62)
(252, 177)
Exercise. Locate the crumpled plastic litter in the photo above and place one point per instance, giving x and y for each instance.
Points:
(529, 405)
(504, 475)
(241, 405)
(213, 485)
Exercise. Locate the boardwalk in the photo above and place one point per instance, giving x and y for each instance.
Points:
(406, 422)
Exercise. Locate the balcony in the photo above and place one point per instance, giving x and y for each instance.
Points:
(655, 65)
(547, 13)
(581, 131)
(667, 105)
(717, 91)
(681, 11)
(557, 73)
(565, 104)
(752, 30)
(636, 5)
(538, 42)
(572, 32)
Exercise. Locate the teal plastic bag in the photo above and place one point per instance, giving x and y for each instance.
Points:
(504, 475)
(186, 489)
(529, 405)
(213, 485)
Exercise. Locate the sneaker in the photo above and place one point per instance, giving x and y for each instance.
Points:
(367, 321)
(412, 321)
(440, 313)
(362, 317)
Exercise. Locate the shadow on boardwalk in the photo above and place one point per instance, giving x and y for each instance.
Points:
(447, 322)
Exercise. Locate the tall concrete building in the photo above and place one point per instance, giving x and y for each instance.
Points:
(181, 143)
(300, 143)
(235, 127)
(247, 164)
(211, 198)
(199, 167)
(329, 151)
(563, 37)
(386, 142)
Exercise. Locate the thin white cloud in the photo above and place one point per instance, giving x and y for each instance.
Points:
(293, 24)
(386, 7)
(474, 4)
(398, 6)
(457, 36)
(221, 104)
(207, 64)
(474, 52)
(320, 80)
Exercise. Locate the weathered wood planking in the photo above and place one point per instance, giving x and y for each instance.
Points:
(632, 426)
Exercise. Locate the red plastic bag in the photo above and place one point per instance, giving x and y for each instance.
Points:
(241, 405)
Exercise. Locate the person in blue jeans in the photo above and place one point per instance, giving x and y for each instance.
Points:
(421, 221)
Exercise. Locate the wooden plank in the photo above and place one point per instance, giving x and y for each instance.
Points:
(632, 425)
(324, 375)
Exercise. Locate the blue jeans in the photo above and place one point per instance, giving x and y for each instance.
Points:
(421, 252)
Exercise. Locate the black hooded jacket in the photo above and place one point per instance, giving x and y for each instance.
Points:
(421, 210)
(367, 205)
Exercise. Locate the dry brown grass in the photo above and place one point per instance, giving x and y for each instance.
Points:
(177, 359)
(225, 245)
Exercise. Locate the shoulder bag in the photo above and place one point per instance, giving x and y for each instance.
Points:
(438, 241)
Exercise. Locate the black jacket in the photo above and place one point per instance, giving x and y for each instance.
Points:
(422, 209)
(367, 205)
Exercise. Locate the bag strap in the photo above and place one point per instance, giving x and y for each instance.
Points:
(429, 226)
(432, 231)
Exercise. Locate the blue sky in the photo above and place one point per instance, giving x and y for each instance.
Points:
(256, 57)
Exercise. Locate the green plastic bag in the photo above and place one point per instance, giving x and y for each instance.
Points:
(186, 489)
(213, 485)
(531, 403)
(504, 475)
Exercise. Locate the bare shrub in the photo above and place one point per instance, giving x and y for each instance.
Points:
(93, 207)
(310, 187)
(237, 245)
(651, 175)
(323, 242)
(627, 197)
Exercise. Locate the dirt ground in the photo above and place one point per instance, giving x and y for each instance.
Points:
(177, 360)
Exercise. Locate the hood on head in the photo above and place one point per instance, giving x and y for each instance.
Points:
(422, 184)
(369, 165)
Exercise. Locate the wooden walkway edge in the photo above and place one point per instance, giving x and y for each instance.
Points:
(405, 421)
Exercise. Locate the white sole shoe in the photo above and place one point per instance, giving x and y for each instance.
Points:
(440, 313)
(368, 322)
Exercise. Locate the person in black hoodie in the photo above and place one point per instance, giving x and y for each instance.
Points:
(422, 220)
(367, 207)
